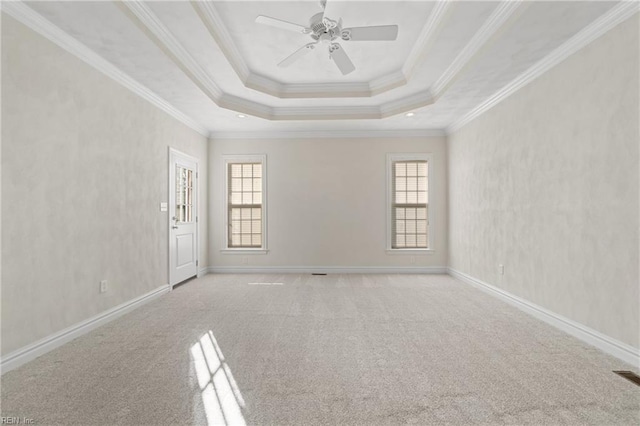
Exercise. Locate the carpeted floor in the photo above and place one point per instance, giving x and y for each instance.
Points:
(336, 349)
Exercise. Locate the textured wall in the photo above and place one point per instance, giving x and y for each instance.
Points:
(546, 183)
(84, 168)
(326, 201)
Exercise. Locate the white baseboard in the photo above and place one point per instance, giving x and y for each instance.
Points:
(202, 272)
(34, 350)
(605, 343)
(328, 270)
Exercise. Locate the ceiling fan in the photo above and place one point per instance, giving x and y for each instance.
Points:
(327, 31)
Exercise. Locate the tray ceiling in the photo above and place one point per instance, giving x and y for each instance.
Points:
(211, 62)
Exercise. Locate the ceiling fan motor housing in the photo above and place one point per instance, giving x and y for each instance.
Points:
(325, 29)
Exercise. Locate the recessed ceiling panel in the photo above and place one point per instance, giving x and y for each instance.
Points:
(263, 47)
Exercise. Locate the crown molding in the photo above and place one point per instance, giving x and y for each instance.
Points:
(152, 26)
(505, 12)
(140, 14)
(438, 16)
(596, 29)
(331, 134)
(36, 22)
(143, 16)
(215, 25)
(417, 100)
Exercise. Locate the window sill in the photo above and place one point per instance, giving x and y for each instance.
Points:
(244, 251)
(410, 251)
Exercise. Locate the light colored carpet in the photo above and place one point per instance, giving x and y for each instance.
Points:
(336, 349)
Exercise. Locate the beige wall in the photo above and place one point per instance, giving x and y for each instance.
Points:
(84, 168)
(546, 183)
(326, 202)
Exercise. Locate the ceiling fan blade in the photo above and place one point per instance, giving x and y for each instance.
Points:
(279, 23)
(377, 33)
(341, 59)
(297, 55)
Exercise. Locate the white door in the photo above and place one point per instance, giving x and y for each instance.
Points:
(183, 252)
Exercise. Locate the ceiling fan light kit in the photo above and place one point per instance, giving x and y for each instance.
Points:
(328, 31)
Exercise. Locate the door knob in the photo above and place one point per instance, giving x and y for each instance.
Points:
(174, 227)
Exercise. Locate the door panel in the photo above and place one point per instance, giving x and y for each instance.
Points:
(183, 252)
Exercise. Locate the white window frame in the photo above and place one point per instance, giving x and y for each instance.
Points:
(250, 158)
(392, 158)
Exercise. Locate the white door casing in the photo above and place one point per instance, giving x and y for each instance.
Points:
(183, 219)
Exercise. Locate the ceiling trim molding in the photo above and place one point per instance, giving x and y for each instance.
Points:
(215, 25)
(36, 22)
(441, 11)
(504, 13)
(331, 134)
(141, 15)
(593, 31)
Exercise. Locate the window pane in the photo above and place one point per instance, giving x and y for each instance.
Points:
(412, 184)
(422, 197)
(236, 170)
(412, 197)
(246, 226)
(422, 184)
(245, 188)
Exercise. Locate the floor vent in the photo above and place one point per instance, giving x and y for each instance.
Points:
(629, 375)
(313, 273)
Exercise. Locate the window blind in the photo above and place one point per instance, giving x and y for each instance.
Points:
(410, 203)
(245, 205)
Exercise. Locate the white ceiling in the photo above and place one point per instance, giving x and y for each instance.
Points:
(211, 61)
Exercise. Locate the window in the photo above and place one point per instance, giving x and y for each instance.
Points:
(184, 194)
(245, 202)
(408, 202)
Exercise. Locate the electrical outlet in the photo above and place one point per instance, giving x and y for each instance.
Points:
(103, 286)
(501, 269)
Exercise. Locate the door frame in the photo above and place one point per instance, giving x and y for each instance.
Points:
(171, 187)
